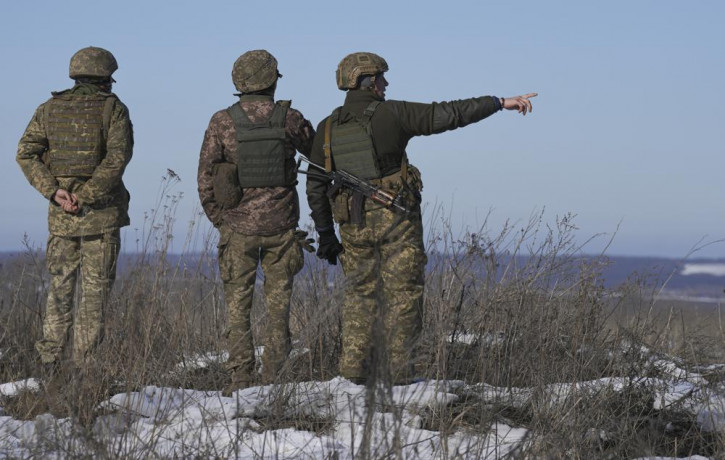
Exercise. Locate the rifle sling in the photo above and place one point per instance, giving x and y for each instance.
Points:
(326, 146)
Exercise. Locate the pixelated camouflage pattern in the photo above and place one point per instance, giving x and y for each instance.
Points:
(384, 261)
(92, 62)
(262, 210)
(384, 265)
(355, 65)
(94, 259)
(281, 258)
(103, 196)
(254, 71)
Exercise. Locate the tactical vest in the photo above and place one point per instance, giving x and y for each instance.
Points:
(262, 160)
(77, 129)
(351, 144)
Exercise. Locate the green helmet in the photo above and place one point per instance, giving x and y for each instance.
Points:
(254, 71)
(355, 65)
(92, 62)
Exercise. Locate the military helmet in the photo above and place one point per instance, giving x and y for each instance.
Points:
(355, 65)
(254, 71)
(92, 62)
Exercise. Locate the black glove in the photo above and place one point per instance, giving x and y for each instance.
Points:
(328, 246)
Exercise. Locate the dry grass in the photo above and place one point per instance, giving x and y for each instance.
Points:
(535, 310)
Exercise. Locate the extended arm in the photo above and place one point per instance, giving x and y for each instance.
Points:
(418, 119)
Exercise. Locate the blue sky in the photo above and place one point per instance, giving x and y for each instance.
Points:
(625, 133)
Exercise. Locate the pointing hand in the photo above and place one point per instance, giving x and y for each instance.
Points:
(522, 104)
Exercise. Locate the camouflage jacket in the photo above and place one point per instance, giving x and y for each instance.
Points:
(262, 210)
(103, 198)
(393, 124)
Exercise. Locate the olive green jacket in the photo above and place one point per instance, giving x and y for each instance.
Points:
(393, 125)
(103, 198)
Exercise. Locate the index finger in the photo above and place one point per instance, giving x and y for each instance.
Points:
(530, 95)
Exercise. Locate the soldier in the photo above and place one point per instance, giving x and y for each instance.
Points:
(74, 152)
(247, 177)
(382, 250)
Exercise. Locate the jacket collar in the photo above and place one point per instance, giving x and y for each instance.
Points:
(357, 96)
(255, 98)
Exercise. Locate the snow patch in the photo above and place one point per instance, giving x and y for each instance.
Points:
(13, 388)
(703, 269)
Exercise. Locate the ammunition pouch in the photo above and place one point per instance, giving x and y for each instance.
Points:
(349, 207)
(340, 206)
(409, 189)
(225, 181)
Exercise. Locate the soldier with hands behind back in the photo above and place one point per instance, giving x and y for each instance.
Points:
(74, 152)
(382, 249)
(247, 177)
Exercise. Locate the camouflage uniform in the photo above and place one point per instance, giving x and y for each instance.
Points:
(260, 229)
(53, 154)
(384, 256)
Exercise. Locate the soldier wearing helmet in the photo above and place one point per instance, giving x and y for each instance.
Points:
(382, 249)
(74, 152)
(247, 177)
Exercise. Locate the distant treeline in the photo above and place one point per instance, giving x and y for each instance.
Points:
(615, 270)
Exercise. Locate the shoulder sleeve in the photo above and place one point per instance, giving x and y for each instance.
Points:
(120, 133)
(300, 131)
(33, 144)
(420, 119)
(317, 186)
(212, 152)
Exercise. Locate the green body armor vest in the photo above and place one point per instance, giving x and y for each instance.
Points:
(352, 147)
(77, 128)
(261, 157)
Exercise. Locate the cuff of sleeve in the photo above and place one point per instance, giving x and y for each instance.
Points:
(326, 229)
(82, 200)
(497, 103)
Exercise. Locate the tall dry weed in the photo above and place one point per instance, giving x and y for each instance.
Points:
(523, 306)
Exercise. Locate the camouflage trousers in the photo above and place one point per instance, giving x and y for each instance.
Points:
(384, 264)
(281, 258)
(94, 258)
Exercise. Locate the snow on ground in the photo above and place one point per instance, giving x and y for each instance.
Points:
(713, 269)
(693, 457)
(13, 388)
(169, 422)
(340, 417)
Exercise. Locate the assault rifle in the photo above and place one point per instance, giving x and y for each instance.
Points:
(341, 179)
